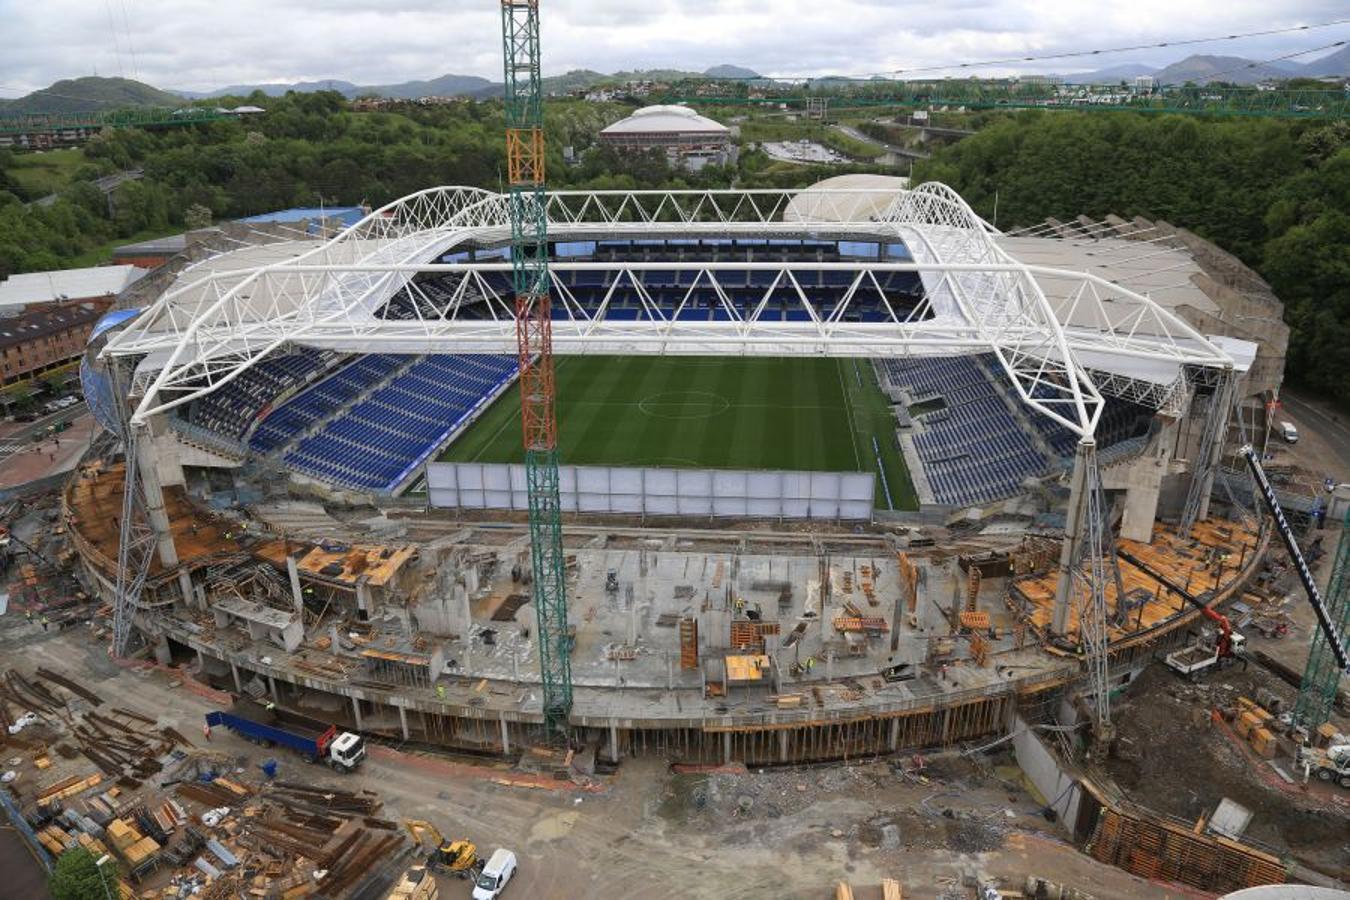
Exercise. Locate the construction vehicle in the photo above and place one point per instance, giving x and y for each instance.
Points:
(458, 857)
(1331, 764)
(498, 872)
(416, 884)
(1209, 650)
(266, 725)
(1329, 629)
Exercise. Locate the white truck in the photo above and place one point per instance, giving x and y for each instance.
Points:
(1206, 653)
(1331, 764)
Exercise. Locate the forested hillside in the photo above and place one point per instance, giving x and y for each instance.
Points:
(309, 146)
(1274, 192)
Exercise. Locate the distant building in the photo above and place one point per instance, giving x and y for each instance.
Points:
(46, 317)
(64, 286)
(689, 139)
(150, 254)
(46, 337)
(1144, 84)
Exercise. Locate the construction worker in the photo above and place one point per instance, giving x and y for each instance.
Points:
(206, 730)
(270, 706)
(440, 692)
(44, 622)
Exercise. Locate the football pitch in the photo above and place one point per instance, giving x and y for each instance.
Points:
(708, 412)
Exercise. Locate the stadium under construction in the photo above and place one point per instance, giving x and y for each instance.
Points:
(284, 504)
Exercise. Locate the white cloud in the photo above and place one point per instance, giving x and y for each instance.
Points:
(208, 44)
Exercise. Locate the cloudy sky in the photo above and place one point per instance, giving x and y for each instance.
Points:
(209, 44)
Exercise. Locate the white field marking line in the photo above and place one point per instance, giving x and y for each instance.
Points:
(848, 409)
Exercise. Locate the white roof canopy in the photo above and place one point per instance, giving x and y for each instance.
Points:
(1047, 326)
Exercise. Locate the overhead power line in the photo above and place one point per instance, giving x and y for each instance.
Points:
(1068, 54)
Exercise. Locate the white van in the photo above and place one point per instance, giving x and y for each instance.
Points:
(498, 871)
(1289, 432)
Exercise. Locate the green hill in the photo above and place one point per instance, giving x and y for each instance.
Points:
(91, 94)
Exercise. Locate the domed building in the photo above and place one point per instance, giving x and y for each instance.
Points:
(689, 139)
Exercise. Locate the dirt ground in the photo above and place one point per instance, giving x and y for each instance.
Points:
(1171, 757)
(653, 834)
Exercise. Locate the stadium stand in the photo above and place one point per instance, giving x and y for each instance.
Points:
(231, 408)
(671, 291)
(321, 401)
(973, 449)
(375, 444)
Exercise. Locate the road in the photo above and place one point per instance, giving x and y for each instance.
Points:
(1325, 421)
(889, 148)
(15, 437)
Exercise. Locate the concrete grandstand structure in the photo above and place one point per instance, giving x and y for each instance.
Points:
(1087, 369)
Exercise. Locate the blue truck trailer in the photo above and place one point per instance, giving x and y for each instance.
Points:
(343, 751)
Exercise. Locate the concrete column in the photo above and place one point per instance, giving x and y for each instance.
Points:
(894, 742)
(726, 747)
(670, 671)
(154, 497)
(297, 595)
(403, 721)
(614, 743)
(829, 666)
(185, 588)
(363, 601)
(356, 711)
(783, 746)
(506, 737)
(272, 689)
(234, 670)
(163, 656)
(1068, 552)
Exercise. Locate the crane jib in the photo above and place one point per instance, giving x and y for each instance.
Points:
(1300, 565)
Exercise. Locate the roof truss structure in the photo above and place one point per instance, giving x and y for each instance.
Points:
(976, 298)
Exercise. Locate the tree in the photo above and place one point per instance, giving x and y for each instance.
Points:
(196, 217)
(78, 876)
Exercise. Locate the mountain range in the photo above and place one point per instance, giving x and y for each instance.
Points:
(468, 85)
(1202, 69)
(94, 93)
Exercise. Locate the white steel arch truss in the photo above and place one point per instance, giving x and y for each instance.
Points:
(976, 298)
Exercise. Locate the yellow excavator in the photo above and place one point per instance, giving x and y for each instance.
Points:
(459, 857)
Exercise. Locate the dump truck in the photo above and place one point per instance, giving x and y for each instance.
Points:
(268, 726)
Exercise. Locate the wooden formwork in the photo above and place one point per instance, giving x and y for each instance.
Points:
(1156, 849)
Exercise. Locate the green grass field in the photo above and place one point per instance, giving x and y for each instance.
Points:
(708, 412)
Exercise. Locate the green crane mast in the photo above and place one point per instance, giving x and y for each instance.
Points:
(534, 344)
(1322, 677)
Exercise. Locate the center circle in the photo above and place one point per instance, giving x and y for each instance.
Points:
(684, 405)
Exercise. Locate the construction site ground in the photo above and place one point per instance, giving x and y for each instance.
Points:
(650, 832)
(1173, 757)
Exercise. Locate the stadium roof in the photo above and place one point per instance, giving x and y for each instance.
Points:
(672, 119)
(66, 284)
(1058, 332)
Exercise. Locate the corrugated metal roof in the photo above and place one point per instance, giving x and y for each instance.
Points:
(66, 284)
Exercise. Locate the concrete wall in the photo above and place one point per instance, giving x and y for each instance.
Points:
(1059, 788)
